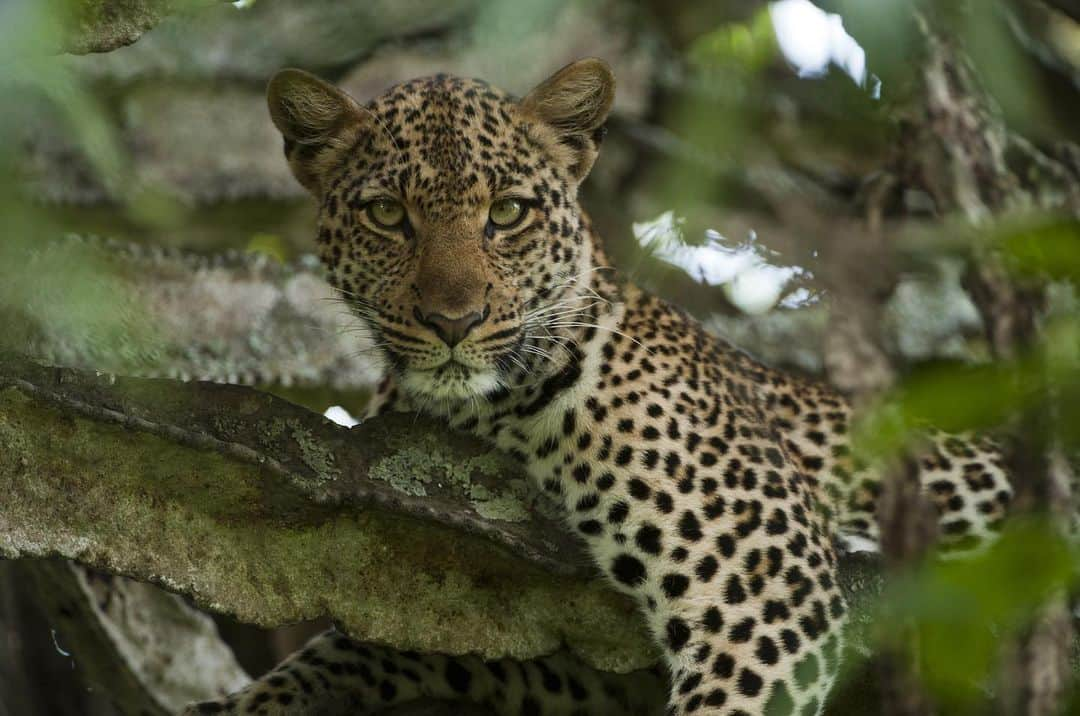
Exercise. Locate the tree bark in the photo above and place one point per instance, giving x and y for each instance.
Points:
(144, 648)
(256, 508)
(253, 507)
(106, 25)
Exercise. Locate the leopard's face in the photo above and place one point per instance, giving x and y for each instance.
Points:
(450, 209)
(448, 216)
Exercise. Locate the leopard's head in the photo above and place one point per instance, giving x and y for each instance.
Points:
(448, 214)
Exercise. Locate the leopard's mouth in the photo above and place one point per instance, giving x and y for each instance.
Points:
(450, 381)
(452, 369)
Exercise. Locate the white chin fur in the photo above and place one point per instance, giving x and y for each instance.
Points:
(857, 543)
(449, 384)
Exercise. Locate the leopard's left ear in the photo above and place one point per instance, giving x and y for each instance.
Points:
(575, 102)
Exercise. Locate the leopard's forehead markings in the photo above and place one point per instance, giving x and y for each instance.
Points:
(454, 143)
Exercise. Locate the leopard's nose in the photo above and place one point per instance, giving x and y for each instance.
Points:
(451, 330)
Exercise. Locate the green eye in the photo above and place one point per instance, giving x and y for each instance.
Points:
(506, 212)
(386, 213)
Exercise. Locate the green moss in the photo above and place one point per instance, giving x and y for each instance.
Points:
(406, 470)
(225, 425)
(506, 507)
(271, 432)
(510, 502)
(317, 457)
(412, 469)
(206, 526)
(12, 443)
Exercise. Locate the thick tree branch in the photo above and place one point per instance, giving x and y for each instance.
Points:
(257, 508)
(254, 507)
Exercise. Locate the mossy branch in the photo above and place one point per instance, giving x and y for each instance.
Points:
(260, 509)
(256, 508)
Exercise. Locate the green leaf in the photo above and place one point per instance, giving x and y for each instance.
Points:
(963, 609)
(1050, 249)
(746, 45)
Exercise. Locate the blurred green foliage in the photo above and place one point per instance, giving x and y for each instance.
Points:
(1046, 249)
(741, 113)
(1045, 377)
(734, 112)
(63, 292)
(738, 47)
(959, 397)
(887, 31)
(67, 295)
(964, 610)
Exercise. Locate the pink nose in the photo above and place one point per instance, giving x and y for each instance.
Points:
(451, 330)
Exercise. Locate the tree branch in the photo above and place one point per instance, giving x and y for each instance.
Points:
(231, 317)
(105, 25)
(128, 637)
(253, 507)
(257, 508)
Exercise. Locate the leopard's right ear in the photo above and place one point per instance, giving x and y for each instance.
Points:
(317, 120)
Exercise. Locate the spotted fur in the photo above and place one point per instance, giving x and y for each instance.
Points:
(706, 485)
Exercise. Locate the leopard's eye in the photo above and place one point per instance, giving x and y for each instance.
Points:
(506, 212)
(386, 213)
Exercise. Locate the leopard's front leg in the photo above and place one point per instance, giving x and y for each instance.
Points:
(745, 605)
(727, 555)
(752, 657)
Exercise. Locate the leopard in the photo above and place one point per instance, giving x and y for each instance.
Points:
(712, 489)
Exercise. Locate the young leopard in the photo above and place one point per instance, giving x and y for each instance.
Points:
(706, 485)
